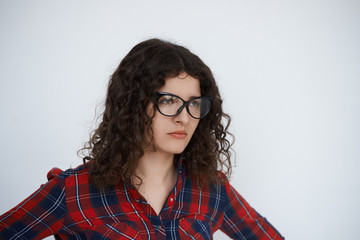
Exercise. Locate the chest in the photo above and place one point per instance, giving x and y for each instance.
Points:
(156, 196)
(119, 215)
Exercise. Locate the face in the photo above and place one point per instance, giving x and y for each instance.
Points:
(172, 134)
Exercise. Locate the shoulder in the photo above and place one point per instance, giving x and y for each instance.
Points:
(80, 171)
(74, 181)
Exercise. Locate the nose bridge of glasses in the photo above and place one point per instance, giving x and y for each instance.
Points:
(185, 104)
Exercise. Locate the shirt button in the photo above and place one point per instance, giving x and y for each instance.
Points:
(171, 199)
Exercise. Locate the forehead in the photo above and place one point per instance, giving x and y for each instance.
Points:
(183, 85)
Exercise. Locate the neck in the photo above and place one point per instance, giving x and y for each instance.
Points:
(156, 167)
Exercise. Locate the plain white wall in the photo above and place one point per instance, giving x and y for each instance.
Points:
(288, 72)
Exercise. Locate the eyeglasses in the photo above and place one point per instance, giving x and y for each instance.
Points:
(171, 105)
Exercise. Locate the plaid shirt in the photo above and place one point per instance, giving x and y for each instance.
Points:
(69, 207)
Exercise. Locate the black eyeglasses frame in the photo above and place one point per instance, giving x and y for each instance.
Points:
(185, 104)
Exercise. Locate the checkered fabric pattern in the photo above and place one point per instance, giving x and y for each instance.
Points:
(69, 207)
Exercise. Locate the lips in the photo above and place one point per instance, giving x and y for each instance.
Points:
(178, 134)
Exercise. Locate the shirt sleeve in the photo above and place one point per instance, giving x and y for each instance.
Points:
(38, 216)
(241, 221)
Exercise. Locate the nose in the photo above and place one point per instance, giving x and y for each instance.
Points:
(183, 116)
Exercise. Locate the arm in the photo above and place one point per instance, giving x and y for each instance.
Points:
(242, 222)
(38, 216)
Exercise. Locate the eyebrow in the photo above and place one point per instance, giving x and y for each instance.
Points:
(190, 98)
(193, 97)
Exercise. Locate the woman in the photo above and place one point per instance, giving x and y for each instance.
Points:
(157, 167)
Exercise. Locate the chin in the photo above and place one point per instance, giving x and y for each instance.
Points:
(172, 147)
(173, 150)
(177, 151)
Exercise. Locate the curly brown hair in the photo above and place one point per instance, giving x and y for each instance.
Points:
(115, 147)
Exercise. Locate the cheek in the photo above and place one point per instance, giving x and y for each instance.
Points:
(194, 125)
(159, 123)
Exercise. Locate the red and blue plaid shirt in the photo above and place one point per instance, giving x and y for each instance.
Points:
(70, 207)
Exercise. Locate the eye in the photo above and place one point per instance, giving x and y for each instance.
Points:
(166, 100)
(195, 103)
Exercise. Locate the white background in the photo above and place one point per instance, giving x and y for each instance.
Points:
(288, 72)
